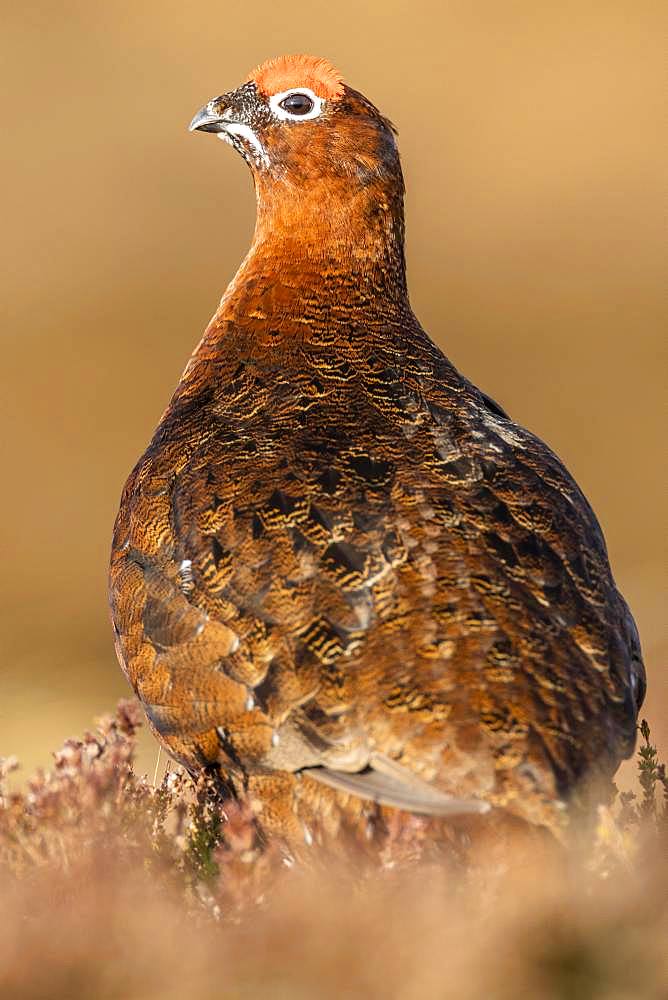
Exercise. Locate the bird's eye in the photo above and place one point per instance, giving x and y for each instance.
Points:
(297, 104)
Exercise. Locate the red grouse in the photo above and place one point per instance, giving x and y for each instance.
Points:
(342, 578)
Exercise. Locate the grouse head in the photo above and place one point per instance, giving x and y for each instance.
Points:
(295, 118)
(323, 158)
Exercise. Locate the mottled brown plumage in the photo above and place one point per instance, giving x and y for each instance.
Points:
(338, 563)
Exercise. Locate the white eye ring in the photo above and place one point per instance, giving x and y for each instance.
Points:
(286, 116)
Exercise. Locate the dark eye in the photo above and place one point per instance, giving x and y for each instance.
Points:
(297, 104)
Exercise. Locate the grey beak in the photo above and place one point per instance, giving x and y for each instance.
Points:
(207, 120)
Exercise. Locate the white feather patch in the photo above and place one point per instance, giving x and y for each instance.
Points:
(244, 131)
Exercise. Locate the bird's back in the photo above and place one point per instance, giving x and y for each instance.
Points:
(338, 558)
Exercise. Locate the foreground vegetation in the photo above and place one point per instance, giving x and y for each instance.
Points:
(113, 886)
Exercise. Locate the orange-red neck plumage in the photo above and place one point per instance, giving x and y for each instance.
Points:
(334, 216)
(312, 272)
(358, 228)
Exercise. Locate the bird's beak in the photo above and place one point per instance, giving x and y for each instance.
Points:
(208, 120)
(224, 116)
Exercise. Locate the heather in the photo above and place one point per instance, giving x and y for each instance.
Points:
(115, 884)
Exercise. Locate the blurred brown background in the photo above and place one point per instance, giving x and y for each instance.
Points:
(530, 135)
